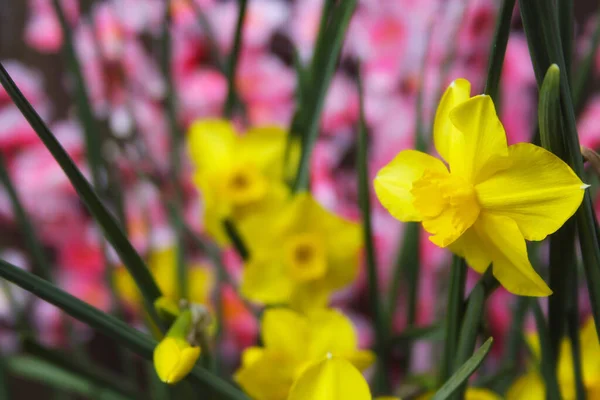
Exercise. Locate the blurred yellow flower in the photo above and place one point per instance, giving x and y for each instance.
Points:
(491, 198)
(174, 356)
(333, 378)
(163, 265)
(531, 385)
(238, 175)
(292, 343)
(299, 255)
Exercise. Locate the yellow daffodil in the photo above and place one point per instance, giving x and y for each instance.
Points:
(531, 385)
(470, 394)
(238, 175)
(490, 199)
(174, 356)
(299, 255)
(292, 343)
(163, 265)
(333, 378)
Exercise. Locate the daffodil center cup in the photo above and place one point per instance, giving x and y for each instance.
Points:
(436, 193)
(305, 257)
(244, 184)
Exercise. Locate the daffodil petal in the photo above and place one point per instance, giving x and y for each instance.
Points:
(393, 182)
(538, 191)
(472, 248)
(361, 359)
(266, 280)
(331, 379)
(590, 353)
(269, 376)
(480, 145)
(264, 147)
(511, 266)
(444, 133)
(481, 394)
(211, 143)
(285, 331)
(332, 332)
(527, 387)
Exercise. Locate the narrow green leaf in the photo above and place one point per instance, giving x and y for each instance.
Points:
(377, 314)
(565, 25)
(233, 60)
(562, 242)
(470, 326)
(176, 145)
(581, 86)
(121, 332)
(36, 369)
(499, 48)
(409, 335)
(93, 141)
(540, 23)
(408, 257)
(549, 111)
(322, 70)
(573, 332)
(547, 363)
(113, 232)
(462, 374)
(236, 240)
(93, 374)
(34, 247)
(454, 315)
(513, 343)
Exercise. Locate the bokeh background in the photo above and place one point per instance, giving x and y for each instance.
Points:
(408, 51)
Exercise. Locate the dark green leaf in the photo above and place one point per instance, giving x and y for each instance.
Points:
(454, 314)
(499, 48)
(233, 60)
(113, 232)
(462, 374)
(548, 357)
(121, 332)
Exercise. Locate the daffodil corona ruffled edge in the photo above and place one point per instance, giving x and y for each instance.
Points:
(490, 198)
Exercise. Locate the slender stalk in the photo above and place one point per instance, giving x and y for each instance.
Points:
(499, 48)
(105, 219)
(454, 314)
(407, 256)
(322, 70)
(175, 153)
(381, 341)
(104, 323)
(573, 332)
(233, 60)
(86, 116)
(34, 246)
(584, 70)
(547, 366)
(540, 23)
(236, 239)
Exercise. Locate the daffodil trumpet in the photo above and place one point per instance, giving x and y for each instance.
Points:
(488, 198)
(178, 351)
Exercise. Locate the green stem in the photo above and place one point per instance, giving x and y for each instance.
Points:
(111, 228)
(499, 49)
(106, 324)
(584, 71)
(175, 154)
(454, 313)
(34, 246)
(547, 364)
(540, 23)
(381, 341)
(573, 332)
(322, 70)
(236, 240)
(233, 60)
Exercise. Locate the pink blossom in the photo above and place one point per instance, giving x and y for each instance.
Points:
(42, 30)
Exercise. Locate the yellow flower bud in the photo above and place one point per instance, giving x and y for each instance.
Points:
(174, 358)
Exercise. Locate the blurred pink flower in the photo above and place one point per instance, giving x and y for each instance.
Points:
(42, 29)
